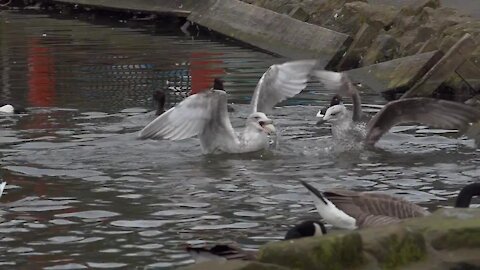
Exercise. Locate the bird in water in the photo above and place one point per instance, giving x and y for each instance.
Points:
(12, 109)
(2, 187)
(233, 252)
(350, 130)
(205, 114)
(350, 210)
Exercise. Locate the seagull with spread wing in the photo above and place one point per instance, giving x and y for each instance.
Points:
(350, 129)
(205, 114)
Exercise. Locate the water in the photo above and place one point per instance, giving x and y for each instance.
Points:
(84, 192)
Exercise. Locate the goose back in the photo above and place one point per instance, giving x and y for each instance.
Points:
(373, 209)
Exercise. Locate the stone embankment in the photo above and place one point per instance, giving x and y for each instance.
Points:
(447, 239)
(385, 32)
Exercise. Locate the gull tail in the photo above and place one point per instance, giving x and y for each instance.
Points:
(328, 211)
(2, 187)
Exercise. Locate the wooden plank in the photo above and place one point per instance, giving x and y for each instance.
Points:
(444, 68)
(266, 29)
(394, 75)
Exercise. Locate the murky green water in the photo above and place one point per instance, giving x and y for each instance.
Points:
(84, 192)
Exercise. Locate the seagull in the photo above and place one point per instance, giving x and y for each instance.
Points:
(12, 109)
(351, 210)
(223, 252)
(205, 114)
(349, 127)
(2, 187)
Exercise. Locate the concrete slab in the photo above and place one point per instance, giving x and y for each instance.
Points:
(269, 30)
(395, 75)
(444, 68)
(178, 8)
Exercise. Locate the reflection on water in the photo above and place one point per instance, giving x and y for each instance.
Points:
(84, 192)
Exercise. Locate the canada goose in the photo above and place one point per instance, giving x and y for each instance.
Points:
(205, 114)
(233, 252)
(12, 109)
(2, 187)
(348, 126)
(351, 210)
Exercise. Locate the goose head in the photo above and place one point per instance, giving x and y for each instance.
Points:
(159, 100)
(218, 84)
(261, 122)
(306, 229)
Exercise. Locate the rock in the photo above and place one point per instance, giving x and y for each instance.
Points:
(335, 251)
(233, 265)
(385, 47)
(394, 246)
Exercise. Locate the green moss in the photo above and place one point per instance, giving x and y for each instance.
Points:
(403, 251)
(458, 238)
(394, 246)
(338, 251)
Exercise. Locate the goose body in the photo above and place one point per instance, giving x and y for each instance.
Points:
(205, 114)
(351, 210)
(223, 252)
(350, 126)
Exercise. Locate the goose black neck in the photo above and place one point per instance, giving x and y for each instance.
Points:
(218, 84)
(159, 99)
(465, 196)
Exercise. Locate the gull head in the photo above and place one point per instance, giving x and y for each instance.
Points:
(335, 114)
(261, 122)
(336, 100)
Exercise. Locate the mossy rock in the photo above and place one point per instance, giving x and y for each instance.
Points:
(335, 251)
(233, 265)
(394, 246)
(450, 228)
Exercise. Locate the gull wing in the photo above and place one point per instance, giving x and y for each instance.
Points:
(341, 84)
(427, 111)
(201, 114)
(280, 82)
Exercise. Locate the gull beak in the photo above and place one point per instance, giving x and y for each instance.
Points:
(268, 126)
